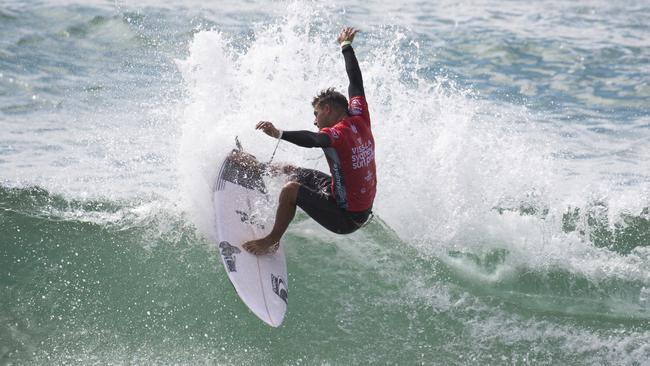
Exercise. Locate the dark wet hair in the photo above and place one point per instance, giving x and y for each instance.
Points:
(332, 98)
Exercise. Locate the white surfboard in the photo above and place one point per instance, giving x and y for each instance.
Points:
(260, 281)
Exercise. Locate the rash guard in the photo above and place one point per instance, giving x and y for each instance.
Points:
(348, 146)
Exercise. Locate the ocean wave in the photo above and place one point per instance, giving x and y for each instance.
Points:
(37, 203)
(620, 233)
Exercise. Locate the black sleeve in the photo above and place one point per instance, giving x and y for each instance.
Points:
(354, 72)
(307, 138)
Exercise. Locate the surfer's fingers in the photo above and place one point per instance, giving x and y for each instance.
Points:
(256, 250)
(345, 34)
(249, 248)
(265, 126)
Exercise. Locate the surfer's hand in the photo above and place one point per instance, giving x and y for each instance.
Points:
(268, 128)
(347, 34)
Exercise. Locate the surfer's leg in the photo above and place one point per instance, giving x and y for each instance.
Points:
(323, 208)
(311, 179)
(283, 216)
(315, 199)
(286, 210)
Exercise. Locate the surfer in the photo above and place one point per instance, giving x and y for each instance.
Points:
(342, 202)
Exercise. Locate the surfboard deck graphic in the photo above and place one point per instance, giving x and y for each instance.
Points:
(260, 281)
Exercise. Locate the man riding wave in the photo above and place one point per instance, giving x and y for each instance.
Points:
(342, 202)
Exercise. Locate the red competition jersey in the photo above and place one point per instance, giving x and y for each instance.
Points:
(351, 158)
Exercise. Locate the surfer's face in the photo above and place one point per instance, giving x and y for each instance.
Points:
(321, 115)
(325, 115)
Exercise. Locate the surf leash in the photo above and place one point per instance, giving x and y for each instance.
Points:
(276, 147)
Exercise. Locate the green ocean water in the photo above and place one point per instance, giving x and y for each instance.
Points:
(513, 210)
(153, 291)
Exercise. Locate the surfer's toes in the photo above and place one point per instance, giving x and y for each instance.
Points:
(262, 246)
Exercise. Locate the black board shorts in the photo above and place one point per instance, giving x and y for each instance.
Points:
(316, 199)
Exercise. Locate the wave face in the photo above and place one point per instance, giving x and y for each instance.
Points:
(513, 210)
(105, 282)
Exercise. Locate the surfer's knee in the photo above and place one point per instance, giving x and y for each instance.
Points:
(290, 192)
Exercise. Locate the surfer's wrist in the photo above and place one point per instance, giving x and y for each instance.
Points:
(346, 43)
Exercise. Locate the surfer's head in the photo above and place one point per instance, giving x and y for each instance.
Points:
(329, 107)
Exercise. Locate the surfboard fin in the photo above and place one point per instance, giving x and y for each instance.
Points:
(238, 144)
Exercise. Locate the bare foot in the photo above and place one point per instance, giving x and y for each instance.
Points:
(262, 246)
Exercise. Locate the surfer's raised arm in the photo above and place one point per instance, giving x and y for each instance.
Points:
(355, 89)
(351, 64)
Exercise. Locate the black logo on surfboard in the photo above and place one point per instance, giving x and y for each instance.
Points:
(251, 219)
(279, 287)
(228, 253)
